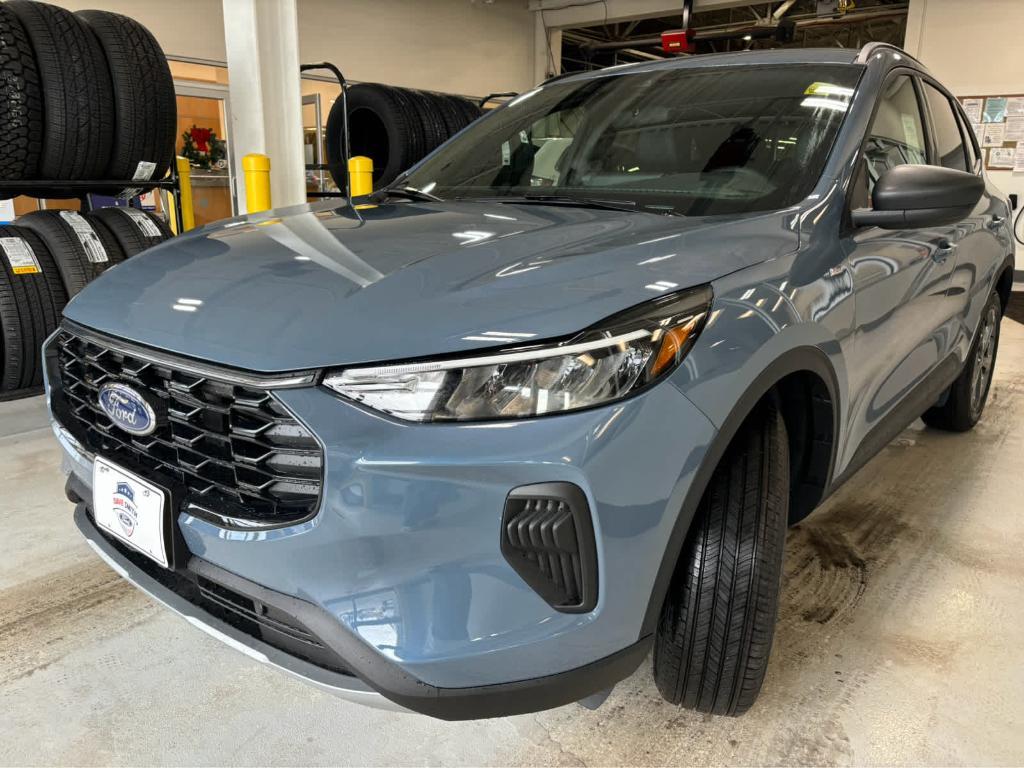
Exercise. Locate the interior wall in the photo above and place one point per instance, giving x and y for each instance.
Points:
(193, 28)
(472, 47)
(974, 49)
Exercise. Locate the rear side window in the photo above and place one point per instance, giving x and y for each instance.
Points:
(949, 142)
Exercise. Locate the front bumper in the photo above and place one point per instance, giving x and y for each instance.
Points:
(401, 569)
(391, 688)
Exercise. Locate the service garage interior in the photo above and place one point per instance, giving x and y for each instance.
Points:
(898, 635)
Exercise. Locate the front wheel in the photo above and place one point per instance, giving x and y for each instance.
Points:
(717, 624)
(968, 394)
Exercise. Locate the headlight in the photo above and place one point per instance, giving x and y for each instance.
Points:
(615, 359)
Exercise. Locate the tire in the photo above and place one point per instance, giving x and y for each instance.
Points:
(78, 103)
(30, 306)
(715, 634)
(21, 102)
(145, 109)
(432, 121)
(967, 396)
(470, 111)
(76, 248)
(132, 229)
(454, 120)
(110, 243)
(384, 126)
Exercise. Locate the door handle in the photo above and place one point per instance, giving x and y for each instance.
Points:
(942, 249)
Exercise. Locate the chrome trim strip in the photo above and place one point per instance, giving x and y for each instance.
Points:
(193, 367)
(542, 353)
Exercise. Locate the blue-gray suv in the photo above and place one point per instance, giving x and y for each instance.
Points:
(479, 443)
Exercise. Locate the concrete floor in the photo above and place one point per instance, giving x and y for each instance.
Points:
(899, 640)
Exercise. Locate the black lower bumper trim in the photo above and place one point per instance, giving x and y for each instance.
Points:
(364, 662)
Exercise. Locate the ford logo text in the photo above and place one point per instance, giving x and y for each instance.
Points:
(127, 409)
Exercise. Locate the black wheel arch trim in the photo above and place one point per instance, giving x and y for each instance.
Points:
(795, 360)
(370, 668)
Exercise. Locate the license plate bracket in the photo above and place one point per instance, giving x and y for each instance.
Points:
(133, 510)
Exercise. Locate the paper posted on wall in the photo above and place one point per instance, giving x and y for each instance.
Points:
(973, 109)
(1018, 159)
(1001, 157)
(1015, 107)
(1014, 129)
(995, 109)
(994, 134)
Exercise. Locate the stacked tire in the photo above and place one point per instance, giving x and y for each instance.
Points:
(45, 260)
(83, 96)
(32, 296)
(395, 127)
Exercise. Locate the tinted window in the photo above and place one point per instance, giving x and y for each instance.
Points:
(896, 136)
(948, 141)
(691, 141)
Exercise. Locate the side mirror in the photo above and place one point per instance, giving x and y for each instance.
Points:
(920, 196)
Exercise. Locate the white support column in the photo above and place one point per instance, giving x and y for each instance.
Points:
(262, 42)
(547, 49)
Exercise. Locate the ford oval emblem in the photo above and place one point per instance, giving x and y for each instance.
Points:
(127, 409)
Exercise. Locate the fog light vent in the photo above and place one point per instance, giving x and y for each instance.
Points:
(548, 537)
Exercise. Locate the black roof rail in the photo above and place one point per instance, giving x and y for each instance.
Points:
(562, 76)
(870, 48)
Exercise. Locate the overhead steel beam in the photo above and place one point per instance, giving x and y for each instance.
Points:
(569, 13)
(868, 14)
(783, 9)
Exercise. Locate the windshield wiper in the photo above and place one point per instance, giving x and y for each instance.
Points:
(407, 193)
(566, 200)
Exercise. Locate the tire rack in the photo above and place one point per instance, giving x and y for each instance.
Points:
(326, 65)
(80, 190)
(343, 83)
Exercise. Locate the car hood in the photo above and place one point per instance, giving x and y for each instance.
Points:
(324, 285)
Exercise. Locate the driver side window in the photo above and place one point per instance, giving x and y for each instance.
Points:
(896, 137)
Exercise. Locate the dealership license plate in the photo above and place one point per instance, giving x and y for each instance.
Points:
(129, 508)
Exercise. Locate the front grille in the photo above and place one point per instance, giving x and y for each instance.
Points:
(240, 456)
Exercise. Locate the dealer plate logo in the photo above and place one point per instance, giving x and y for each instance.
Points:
(124, 508)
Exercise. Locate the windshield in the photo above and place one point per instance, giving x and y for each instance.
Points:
(696, 142)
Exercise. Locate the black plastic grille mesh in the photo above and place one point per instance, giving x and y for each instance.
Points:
(236, 450)
(255, 618)
(541, 533)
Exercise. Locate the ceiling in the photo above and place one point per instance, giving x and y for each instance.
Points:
(787, 24)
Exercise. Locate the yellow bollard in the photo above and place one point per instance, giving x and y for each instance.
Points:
(188, 212)
(257, 182)
(360, 175)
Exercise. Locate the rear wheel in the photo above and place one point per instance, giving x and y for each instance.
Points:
(717, 624)
(967, 396)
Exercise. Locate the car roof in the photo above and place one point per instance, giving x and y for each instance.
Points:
(889, 53)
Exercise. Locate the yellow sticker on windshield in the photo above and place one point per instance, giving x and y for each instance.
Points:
(828, 89)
